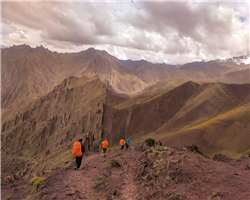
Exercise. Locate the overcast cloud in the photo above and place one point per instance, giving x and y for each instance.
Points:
(171, 32)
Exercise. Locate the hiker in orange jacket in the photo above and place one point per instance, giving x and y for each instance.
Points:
(122, 143)
(78, 150)
(105, 146)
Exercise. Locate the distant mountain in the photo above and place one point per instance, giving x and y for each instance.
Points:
(242, 76)
(28, 73)
(191, 66)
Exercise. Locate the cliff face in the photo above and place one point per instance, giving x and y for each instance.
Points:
(43, 135)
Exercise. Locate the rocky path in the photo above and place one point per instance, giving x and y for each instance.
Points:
(145, 173)
(115, 183)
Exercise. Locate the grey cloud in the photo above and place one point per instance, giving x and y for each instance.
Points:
(168, 29)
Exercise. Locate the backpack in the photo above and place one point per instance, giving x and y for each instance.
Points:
(105, 144)
(77, 149)
(121, 142)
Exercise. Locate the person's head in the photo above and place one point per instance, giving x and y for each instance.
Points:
(106, 139)
(80, 140)
(128, 139)
(124, 138)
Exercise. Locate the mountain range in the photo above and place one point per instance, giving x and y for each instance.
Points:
(50, 99)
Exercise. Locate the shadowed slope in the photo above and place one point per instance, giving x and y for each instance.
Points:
(45, 131)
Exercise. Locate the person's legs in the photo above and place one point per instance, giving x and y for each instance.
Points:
(104, 152)
(122, 147)
(76, 163)
(79, 162)
(127, 148)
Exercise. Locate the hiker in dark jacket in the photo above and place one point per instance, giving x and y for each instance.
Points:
(127, 144)
(79, 159)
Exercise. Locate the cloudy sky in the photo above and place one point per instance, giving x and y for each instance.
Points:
(170, 32)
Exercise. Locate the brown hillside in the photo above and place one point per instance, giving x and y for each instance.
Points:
(227, 133)
(242, 76)
(174, 110)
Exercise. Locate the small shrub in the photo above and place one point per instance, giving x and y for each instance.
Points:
(96, 184)
(26, 192)
(99, 176)
(150, 184)
(37, 181)
(168, 194)
(215, 194)
(114, 163)
(180, 153)
(150, 142)
(159, 148)
(153, 153)
(48, 171)
(172, 175)
(180, 196)
(67, 166)
(8, 197)
(159, 162)
(157, 173)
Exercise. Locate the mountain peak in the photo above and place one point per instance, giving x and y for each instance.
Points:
(90, 50)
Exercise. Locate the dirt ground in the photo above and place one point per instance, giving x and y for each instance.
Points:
(145, 173)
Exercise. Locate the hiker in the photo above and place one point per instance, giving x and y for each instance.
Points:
(122, 143)
(127, 144)
(78, 150)
(105, 146)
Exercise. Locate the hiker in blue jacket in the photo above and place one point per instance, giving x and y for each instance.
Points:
(127, 144)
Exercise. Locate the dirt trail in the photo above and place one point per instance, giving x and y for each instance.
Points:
(117, 183)
(128, 189)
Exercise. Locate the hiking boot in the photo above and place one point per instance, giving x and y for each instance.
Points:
(75, 168)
